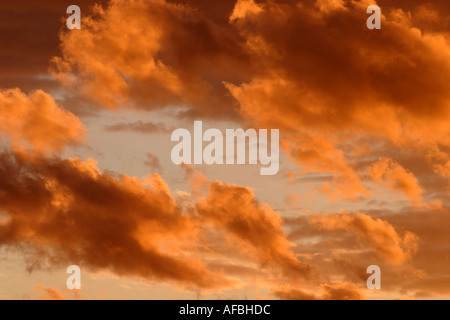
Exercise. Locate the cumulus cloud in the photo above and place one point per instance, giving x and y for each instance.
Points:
(71, 213)
(334, 91)
(66, 211)
(377, 234)
(236, 210)
(341, 85)
(350, 104)
(245, 8)
(145, 64)
(36, 121)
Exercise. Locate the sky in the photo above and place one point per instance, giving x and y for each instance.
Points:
(87, 179)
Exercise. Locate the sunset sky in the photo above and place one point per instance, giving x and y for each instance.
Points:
(86, 176)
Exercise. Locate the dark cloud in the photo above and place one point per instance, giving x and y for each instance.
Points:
(71, 213)
(29, 33)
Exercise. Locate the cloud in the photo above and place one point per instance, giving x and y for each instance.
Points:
(377, 234)
(350, 104)
(244, 8)
(395, 177)
(69, 212)
(294, 294)
(340, 291)
(337, 93)
(336, 254)
(330, 6)
(152, 162)
(440, 161)
(146, 64)
(66, 211)
(49, 293)
(338, 86)
(36, 121)
(139, 126)
(431, 260)
(29, 43)
(345, 291)
(238, 213)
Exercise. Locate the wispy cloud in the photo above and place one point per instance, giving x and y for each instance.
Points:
(140, 127)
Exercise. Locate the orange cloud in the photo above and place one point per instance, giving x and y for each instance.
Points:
(244, 8)
(336, 90)
(235, 210)
(145, 64)
(342, 96)
(340, 291)
(36, 121)
(377, 234)
(71, 213)
(49, 293)
(347, 91)
(394, 176)
(440, 161)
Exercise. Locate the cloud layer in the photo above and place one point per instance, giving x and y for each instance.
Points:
(363, 114)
